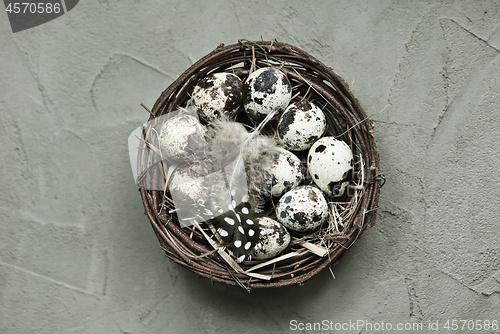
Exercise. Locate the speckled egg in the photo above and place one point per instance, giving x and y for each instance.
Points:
(187, 187)
(216, 94)
(286, 172)
(301, 125)
(329, 162)
(182, 138)
(274, 238)
(265, 90)
(303, 208)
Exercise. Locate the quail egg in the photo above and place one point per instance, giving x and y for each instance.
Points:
(286, 172)
(274, 238)
(182, 138)
(303, 208)
(216, 94)
(187, 188)
(265, 90)
(301, 125)
(329, 162)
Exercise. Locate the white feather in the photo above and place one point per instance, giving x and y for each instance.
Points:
(230, 142)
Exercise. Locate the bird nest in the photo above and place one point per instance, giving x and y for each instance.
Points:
(195, 248)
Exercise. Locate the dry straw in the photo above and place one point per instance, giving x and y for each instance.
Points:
(196, 247)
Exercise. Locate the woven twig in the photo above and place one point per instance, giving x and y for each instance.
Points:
(346, 120)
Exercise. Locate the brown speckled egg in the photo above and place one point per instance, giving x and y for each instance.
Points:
(302, 209)
(301, 125)
(274, 238)
(265, 90)
(182, 139)
(216, 94)
(329, 161)
(286, 172)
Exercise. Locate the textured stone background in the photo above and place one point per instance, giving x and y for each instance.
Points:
(77, 254)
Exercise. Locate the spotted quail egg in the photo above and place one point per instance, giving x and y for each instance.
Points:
(274, 238)
(182, 138)
(265, 90)
(329, 161)
(301, 125)
(187, 187)
(216, 94)
(286, 172)
(303, 208)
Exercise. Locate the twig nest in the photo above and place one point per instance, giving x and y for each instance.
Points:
(182, 139)
(303, 208)
(301, 125)
(216, 94)
(329, 162)
(239, 159)
(286, 172)
(265, 90)
(274, 238)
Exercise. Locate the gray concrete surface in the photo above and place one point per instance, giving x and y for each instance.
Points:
(77, 254)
